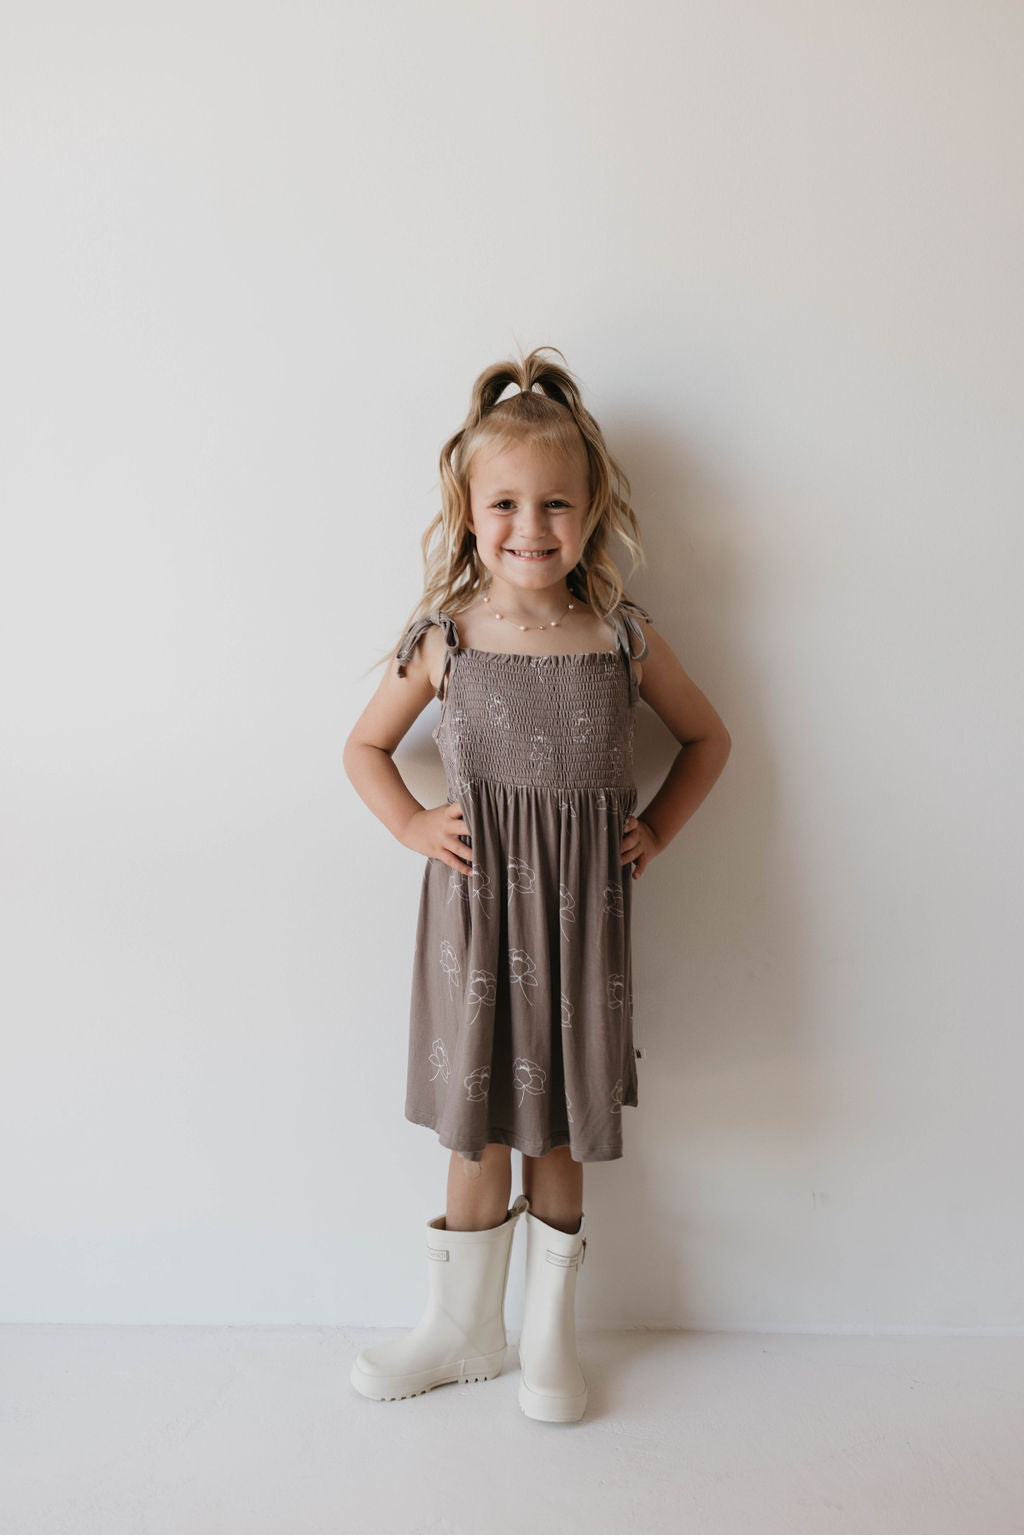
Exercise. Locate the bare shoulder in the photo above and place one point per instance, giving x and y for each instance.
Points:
(405, 690)
(672, 694)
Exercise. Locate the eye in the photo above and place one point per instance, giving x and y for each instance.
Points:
(498, 505)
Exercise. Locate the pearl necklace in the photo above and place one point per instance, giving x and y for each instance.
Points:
(552, 624)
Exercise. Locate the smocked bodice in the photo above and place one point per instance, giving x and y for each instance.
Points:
(536, 721)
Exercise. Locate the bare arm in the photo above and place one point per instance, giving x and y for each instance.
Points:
(705, 745)
(367, 758)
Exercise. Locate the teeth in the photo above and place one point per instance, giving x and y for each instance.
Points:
(537, 554)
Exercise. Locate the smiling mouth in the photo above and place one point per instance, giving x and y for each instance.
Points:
(530, 554)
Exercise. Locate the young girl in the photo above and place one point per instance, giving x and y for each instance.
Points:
(521, 1016)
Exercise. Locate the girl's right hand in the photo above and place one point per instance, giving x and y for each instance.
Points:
(435, 833)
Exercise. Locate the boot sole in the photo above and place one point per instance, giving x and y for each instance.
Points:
(462, 1371)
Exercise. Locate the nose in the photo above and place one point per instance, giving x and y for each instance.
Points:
(533, 521)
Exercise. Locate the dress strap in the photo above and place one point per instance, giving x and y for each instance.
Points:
(627, 625)
(411, 638)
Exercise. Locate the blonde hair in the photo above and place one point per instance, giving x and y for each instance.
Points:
(547, 411)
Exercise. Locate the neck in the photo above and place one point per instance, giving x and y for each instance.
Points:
(535, 607)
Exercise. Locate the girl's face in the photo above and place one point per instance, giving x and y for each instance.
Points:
(526, 499)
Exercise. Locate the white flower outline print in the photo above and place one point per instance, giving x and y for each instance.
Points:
(458, 885)
(529, 1077)
(521, 877)
(615, 987)
(616, 1107)
(477, 1084)
(450, 964)
(497, 709)
(457, 721)
(580, 726)
(567, 910)
(482, 990)
(474, 886)
(439, 1058)
(568, 1109)
(567, 1012)
(541, 751)
(613, 903)
(522, 969)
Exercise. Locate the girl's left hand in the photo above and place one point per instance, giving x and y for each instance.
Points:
(639, 845)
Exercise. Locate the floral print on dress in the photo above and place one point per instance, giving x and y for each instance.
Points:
(481, 992)
(450, 964)
(568, 1108)
(522, 970)
(497, 709)
(580, 726)
(477, 1083)
(457, 723)
(439, 1058)
(615, 990)
(567, 908)
(521, 876)
(458, 886)
(474, 886)
(479, 882)
(616, 1107)
(528, 1076)
(613, 904)
(541, 751)
(567, 1012)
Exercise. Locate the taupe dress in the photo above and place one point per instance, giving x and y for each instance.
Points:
(521, 1022)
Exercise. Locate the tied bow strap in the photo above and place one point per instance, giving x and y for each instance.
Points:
(629, 625)
(634, 624)
(413, 635)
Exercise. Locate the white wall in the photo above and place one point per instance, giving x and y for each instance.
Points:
(254, 257)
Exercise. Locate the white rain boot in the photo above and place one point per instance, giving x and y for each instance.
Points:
(552, 1387)
(461, 1335)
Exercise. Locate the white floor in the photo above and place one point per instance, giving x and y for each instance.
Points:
(131, 1430)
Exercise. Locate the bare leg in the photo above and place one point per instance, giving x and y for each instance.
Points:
(554, 1187)
(479, 1192)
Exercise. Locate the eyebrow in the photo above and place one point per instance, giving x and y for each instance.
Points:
(492, 493)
